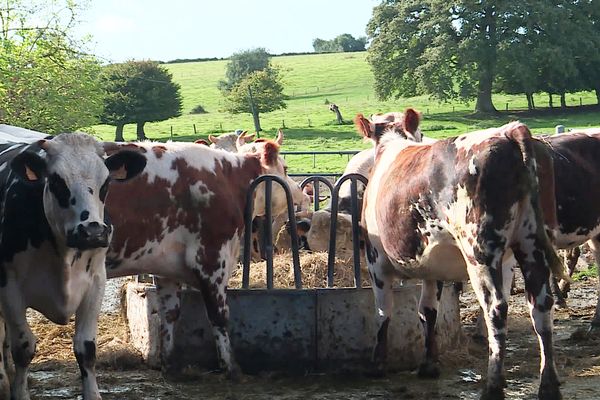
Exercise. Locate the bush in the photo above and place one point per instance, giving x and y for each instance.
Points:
(198, 110)
(438, 127)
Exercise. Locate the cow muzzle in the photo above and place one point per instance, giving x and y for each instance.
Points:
(90, 236)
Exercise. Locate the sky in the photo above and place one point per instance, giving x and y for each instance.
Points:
(165, 30)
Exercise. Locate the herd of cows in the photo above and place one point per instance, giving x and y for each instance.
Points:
(74, 212)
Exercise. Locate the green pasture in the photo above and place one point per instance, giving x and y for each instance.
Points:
(344, 79)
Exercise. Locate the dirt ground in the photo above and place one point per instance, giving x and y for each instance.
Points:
(122, 375)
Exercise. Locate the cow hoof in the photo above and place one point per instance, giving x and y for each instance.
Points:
(429, 370)
(234, 373)
(492, 393)
(549, 392)
(560, 304)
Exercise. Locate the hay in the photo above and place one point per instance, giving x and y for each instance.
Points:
(314, 272)
(55, 342)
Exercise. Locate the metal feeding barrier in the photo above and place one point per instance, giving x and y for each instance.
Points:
(268, 234)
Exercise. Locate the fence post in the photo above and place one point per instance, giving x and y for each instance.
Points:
(506, 106)
(195, 132)
(283, 123)
(221, 126)
(580, 102)
(171, 132)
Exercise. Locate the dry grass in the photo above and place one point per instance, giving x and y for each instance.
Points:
(55, 342)
(314, 272)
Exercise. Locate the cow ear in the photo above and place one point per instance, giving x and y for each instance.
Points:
(279, 138)
(125, 165)
(269, 153)
(411, 120)
(212, 139)
(249, 137)
(364, 126)
(201, 141)
(29, 166)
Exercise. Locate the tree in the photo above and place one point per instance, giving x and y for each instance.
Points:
(258, 92)
(342, 43)
(138, 92)
(243, 63)
(464, 49)
(253, 85)
(47, 81)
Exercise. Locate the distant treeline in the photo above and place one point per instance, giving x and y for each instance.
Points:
(202, 59)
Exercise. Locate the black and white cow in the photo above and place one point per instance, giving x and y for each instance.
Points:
(54, 236)
(453, 209)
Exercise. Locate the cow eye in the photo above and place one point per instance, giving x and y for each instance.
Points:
(104, 189)
(58, 187)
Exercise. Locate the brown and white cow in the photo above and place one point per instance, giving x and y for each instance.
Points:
(227, 141)
(182, 220)
(54, 235)
(576, 159)
(454, 209)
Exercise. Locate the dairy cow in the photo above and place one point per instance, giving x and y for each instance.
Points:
(54, 236)
(453, 209)
(182, 220)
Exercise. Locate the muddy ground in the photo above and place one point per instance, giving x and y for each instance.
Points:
(122, 375)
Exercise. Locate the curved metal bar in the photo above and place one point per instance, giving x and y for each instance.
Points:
(248, 211)
(355, 227)
(315, 181)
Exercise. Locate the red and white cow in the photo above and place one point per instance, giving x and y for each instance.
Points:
(53, 241)
(454, 209)
(227, 141)
(182, 220)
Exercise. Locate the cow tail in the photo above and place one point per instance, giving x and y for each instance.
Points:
(522, 136)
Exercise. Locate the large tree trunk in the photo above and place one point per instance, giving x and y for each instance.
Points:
(530, 105)
(487, 64)
(563, 100)
(119, 133)
(140, 131)
(550, 101)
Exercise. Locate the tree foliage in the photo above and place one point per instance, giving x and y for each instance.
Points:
(243, 63)
(253, 85)
(266, 90)
(342, 43)
(465, 50)
(139, 92)
(47, 82)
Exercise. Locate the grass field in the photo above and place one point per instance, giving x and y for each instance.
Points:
(344, 79)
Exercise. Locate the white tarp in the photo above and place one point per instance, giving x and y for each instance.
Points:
(15, 134)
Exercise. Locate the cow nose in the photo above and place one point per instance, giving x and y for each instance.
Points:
(92, 230)
(89, 236)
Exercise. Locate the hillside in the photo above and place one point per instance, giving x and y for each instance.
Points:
(341, 78)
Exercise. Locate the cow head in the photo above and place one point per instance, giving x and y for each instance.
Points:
(383, 127)
(76, 180)
(227, 141)
(273, 164)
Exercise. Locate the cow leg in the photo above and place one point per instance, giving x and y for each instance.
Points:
(381, 283)
(86, 330)
(22, 340)
(541, 302)
(431, 293)
(571, 258)
(508, 280)
(487, 282)
(169, 306)
(595, 247)
(217, 310)
(4, 384)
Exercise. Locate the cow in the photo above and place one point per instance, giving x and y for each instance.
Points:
(182, 220)
(227, 141)
(453, 209)
(54, 235)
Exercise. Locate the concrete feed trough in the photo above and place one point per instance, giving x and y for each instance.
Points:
(293, 330)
